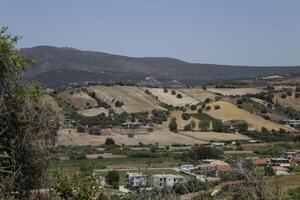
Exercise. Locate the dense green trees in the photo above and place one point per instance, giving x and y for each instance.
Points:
(173, 125)
(27, 125)
(113, 178)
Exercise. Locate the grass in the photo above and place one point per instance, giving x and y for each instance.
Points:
(66, 165)
(290, 181)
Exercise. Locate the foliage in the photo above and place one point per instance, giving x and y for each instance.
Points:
(199, 153)
(185, 116)
(269, 171)
(192, 185)
(113, 178)
(173, 125)
(27, 125)
(82, 186)
(217, 125)
(179, 96)
(119, 104)
(203, 125)
(109, 142)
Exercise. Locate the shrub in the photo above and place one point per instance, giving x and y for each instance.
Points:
(193, 107)
(113, 178)
(289, 93)
(204, 87)
(179, 96)
(173, 125)
(266, 117)
(165, 90)
(264, 111)
(297, 95)
(173, 92)
(147, 91)
(217, 107)
(239, 101)
(217, 125)
(187, 127)
(207, 100)
(192, 124)
(208, 108)
(119, 104)
(199, 110)
(109, 142)
(131, 135)
(203, 125)
(283, 96)
(185, 116)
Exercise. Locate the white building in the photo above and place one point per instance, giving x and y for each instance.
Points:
(136, 180)
(167, 180)
(187, 167)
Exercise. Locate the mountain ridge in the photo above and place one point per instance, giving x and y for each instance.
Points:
(63, 65)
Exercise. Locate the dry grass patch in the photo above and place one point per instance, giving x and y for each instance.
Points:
(289, 101)
(229, 112)
(134, 98)
(198, 93)
(235, 91)
(168, 98)
(67, 137)
(215, 136)
(78, 99)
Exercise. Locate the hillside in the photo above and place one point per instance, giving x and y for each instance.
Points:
(60, 66)
(229, 112)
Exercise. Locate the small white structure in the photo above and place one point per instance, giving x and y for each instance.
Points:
(289, 154)
(166, 180)
(187, 167)
(136, 180)
(282, 162)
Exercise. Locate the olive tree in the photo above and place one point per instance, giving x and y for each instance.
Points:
(27, 125)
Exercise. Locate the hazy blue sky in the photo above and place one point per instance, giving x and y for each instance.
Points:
(247, 32)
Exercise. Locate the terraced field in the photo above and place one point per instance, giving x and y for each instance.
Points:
(134, 98)
(198, 93)
(168, 98)
(72, 137)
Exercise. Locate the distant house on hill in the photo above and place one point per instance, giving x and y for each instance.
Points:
(166, 180)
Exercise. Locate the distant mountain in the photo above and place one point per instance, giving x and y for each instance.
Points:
(60, 66)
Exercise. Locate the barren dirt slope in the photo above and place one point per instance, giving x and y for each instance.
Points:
(229, 111)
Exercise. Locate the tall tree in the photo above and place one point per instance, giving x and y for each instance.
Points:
(27, 125)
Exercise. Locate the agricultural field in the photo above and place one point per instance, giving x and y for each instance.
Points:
(229, 112)
(234, 91)
(134, 98)
(72, 137)
(171, 99)
(289, 101)
(215, 136)
(180, 122)
(77, 99)
(198, 93)
(93, 111)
